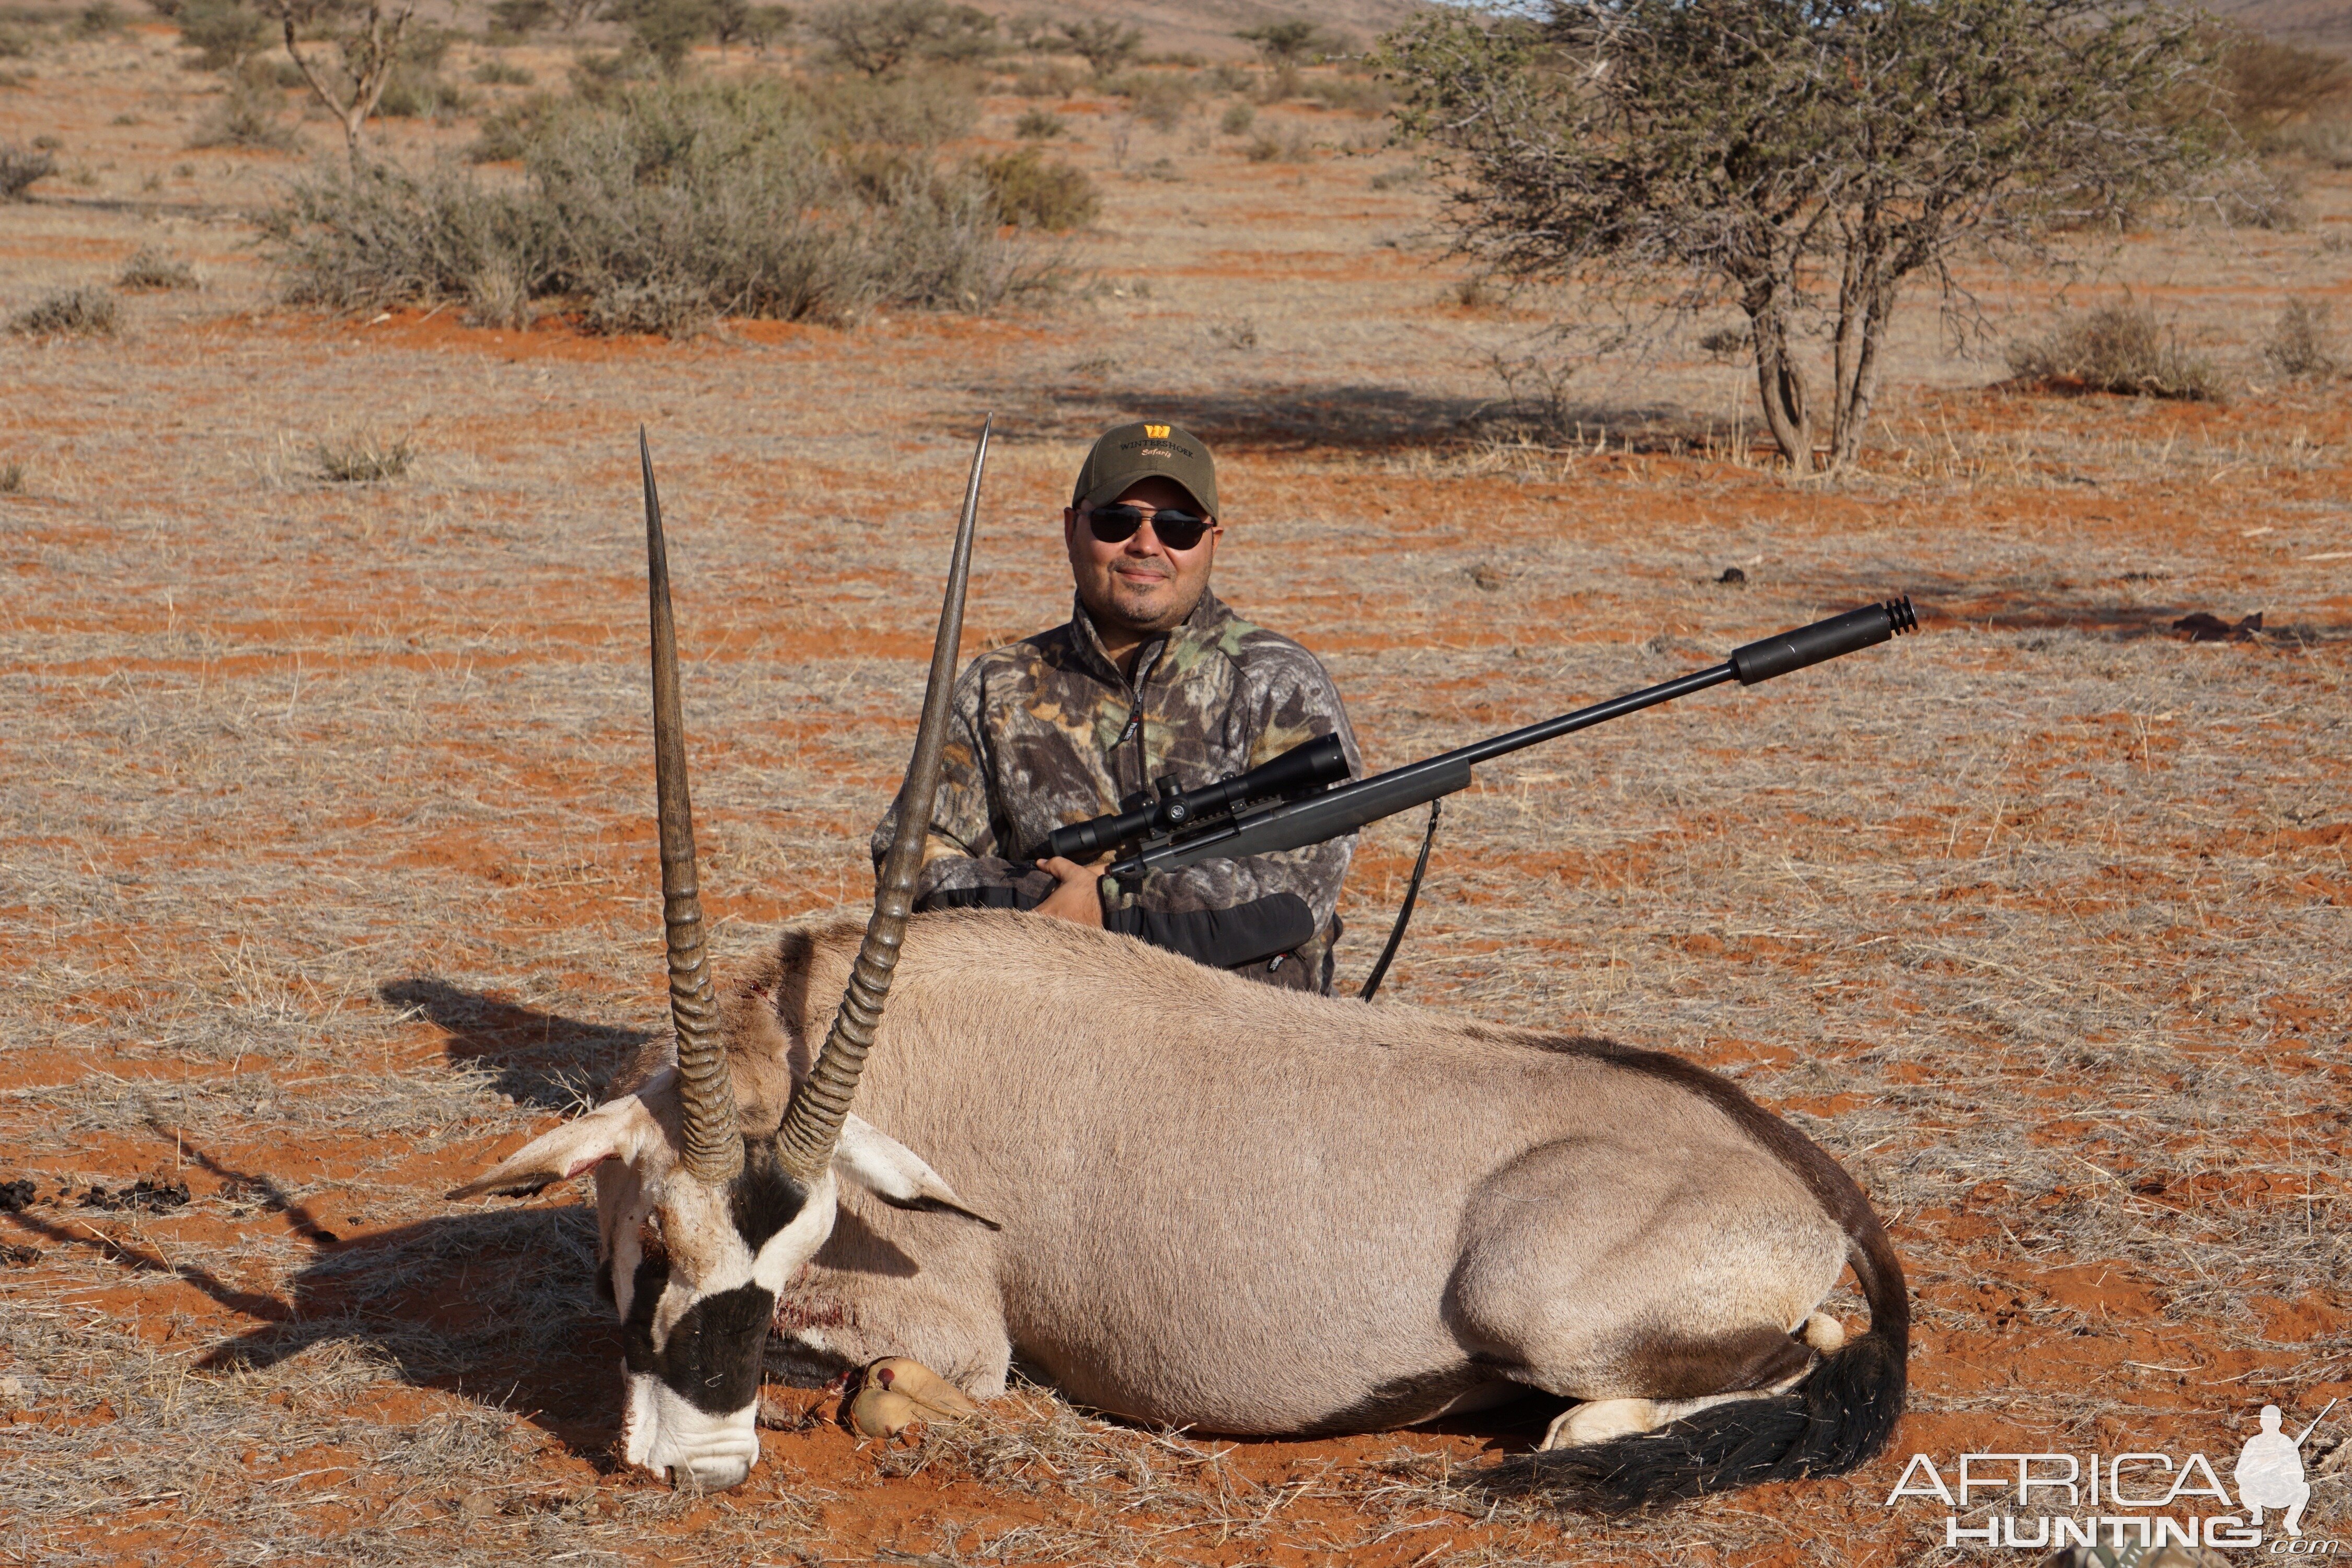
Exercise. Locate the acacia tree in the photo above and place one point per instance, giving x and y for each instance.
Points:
(1800, 159)
(369, 50)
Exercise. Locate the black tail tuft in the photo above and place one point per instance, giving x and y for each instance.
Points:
(1838, 1418)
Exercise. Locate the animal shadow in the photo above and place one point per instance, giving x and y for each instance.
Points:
(542, 1060)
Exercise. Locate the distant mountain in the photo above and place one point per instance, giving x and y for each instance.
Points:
(2313, 24)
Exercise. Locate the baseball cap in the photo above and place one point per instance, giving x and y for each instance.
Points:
(1119, 456)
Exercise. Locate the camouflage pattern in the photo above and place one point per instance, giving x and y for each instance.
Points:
(1047, 733)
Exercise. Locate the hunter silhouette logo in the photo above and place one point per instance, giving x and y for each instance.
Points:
(1156, 432)
(2270, 1470)
(2144, 1499)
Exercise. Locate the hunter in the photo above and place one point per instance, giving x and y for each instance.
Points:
(1151, 677)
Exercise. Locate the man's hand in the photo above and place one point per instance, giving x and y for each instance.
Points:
(1078, 899)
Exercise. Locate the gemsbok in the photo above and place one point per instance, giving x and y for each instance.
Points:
(1185, 1198)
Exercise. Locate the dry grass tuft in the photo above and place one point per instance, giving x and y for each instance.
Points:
(82, 312)
(19, 167)
(2119, 348)
(364, 458)
(152, 268)
(2303, 343)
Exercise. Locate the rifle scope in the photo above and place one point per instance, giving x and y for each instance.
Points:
(1310, 766)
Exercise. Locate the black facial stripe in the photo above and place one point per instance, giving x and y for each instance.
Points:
(764, 1199)
(712, 1357)
(637, 1353)
(712, 1360)
(604, 1279)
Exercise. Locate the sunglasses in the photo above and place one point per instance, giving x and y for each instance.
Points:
(1176, 530)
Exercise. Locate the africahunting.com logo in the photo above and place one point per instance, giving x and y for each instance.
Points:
(2131, 1503)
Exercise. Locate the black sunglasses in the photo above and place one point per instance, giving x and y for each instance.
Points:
(1176, 530)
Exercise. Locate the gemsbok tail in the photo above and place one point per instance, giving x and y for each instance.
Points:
(1838, 1418)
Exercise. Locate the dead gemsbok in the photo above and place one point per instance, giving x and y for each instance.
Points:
(1192, 1200)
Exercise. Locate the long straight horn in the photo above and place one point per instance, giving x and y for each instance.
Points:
(805, 1139)
(714, 1150)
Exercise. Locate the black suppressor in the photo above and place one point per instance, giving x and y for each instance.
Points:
(1298, 770)
(1840, 635)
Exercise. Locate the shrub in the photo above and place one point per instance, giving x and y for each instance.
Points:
(500, 73)
(1156, 98)
(1292, 148)
(245, 116)
(505, 132)
(1035, 194)
(1039, 125)
(16, 43)
(2301, 344)
(520, 18)
(1237, 119)
(363, 459)
(666, 29)
(19, 167)
(151, 268)
(2117, 349)
(223, 33)
(1051, 80)
(1354, 94)
(84, 312)
(416, 92)
(2328, 143)
(878, 38)
(656, 209)
(12, 477)
(913, 111)
(1104, 44)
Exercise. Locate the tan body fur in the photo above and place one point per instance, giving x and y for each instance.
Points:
(1253, 1211)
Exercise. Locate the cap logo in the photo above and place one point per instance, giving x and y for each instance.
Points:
(1156, 432)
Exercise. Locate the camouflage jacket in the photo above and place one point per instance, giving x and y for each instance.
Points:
(1048, 732)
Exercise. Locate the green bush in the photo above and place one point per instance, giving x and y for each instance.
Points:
(656, 209)
(1237, 119)
(16, 42)
(2117, 349)
(1033, 193)
(83, 312)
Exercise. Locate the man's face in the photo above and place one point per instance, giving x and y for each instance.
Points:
(1140, 585)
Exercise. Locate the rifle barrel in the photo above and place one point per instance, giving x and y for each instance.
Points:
(1346, 807)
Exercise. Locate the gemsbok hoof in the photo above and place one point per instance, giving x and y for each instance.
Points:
(894, 1394)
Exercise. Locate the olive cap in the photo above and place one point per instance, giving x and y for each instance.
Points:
(1130, 452)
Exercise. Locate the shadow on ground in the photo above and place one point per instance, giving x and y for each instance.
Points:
(542, 1060)
(1287, 418)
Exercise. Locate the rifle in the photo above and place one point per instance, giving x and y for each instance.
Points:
(1295, 799)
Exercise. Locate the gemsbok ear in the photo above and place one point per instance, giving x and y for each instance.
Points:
(895, 1173)
(619, 1130)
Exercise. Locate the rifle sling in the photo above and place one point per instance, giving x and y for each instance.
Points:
(1404, 910)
